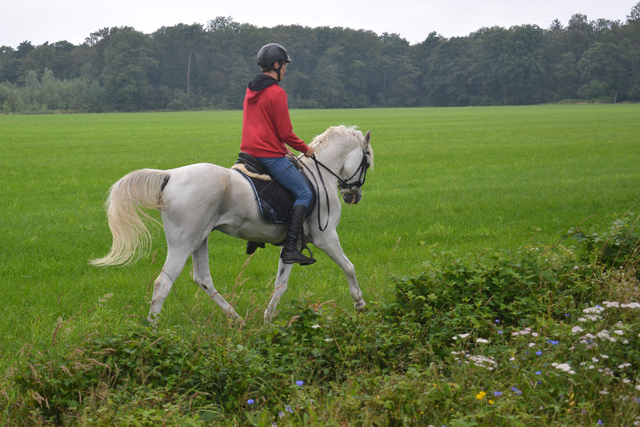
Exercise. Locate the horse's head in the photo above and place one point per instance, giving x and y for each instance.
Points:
(351, 189)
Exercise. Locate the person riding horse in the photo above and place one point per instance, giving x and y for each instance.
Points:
(266, 131)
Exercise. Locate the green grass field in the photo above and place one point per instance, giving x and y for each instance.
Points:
(464, 180)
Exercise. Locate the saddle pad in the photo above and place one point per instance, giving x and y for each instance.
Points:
(275, 201)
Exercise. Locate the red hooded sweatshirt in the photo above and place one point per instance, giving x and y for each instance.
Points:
(266, 125)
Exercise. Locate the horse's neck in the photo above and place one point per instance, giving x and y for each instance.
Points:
(334, 156)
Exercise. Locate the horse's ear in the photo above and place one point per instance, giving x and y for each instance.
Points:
(367, 138)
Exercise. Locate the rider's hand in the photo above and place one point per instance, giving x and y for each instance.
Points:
(309, 152)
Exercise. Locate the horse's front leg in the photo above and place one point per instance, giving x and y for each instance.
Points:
(202, 277)
(329, 243)
(284, 271)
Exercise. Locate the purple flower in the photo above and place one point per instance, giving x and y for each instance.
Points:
(288, 409)
(300, 383)
(497, 393)
(600, 422)
(539, 353)
(538, 373)
(250, 402)
(499, 332)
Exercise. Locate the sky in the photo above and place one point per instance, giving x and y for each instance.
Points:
(39, 21)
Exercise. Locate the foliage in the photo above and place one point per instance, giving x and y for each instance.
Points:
(514, 339)
(208, 66)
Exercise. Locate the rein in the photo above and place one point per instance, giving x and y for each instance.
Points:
(343, 184)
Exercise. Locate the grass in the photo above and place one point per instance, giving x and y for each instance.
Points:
(466, 180)
(451, 179)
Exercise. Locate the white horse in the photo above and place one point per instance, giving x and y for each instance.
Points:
(197, 199)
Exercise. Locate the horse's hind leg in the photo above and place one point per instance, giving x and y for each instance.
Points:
(162, 286)
(330, 244)
(284, 271)
(202, 277)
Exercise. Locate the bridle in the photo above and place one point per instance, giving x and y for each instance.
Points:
(346, 187)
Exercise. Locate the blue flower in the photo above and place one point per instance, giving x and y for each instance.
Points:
(499, 332)
(552, 342)
(288, 409)
(600, 422)
(497, 320)
(300, 383)
(497, 393)
(251, 402)
(538, 373)
(539, 353)
(567, 315)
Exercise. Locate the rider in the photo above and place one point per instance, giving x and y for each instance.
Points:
(266, 128)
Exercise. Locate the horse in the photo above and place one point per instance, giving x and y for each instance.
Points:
(197, 199)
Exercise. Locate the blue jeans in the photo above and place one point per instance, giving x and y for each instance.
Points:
(286, 174)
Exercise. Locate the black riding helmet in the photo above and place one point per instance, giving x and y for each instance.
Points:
(273, 53)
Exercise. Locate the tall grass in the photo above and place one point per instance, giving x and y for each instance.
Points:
(445, 179)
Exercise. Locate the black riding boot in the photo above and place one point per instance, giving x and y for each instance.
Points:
(290, 253)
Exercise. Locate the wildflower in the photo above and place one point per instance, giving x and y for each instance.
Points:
(532, 344)
(497, 320)
(600, 422)
(250, 402)
(500, 332)
(316, 326)
(328, 339)
(534, 334)
(497, 393)
(300, 383)
(624, 365)
(552, 342)
(563, 367)
(618, 332)
(539, 353)
(481, 341)
(577, 329)
(538, 373)
(481, 395)
(288, 409)
(491, 402)
(281, 414)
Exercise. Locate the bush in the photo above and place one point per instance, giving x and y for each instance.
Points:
(525, 339)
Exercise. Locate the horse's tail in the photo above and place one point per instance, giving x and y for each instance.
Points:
(127, 197)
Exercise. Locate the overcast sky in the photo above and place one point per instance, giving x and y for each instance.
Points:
(40, 21)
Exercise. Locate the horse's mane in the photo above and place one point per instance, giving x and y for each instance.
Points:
(343, 130)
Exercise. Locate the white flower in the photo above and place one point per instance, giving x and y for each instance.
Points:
(624, 365)
(604, 356)
(328, 339)
(593, 359)
(596, 310)
(581, 319)
(531, 344)
(481, 341)
(316, 326)
(564, 367)
(604, 391)
(577, 329)
(631, 305)
(534, 334)
(618, 332)
(463, 336)
(610, 304)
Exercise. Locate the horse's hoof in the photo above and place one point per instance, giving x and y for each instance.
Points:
(360, 306)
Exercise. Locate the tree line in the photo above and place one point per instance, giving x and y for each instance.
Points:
(209, 66)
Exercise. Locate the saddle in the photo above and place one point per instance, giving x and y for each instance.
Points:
(274, 200)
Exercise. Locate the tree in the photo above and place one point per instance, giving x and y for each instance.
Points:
(126, 67)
